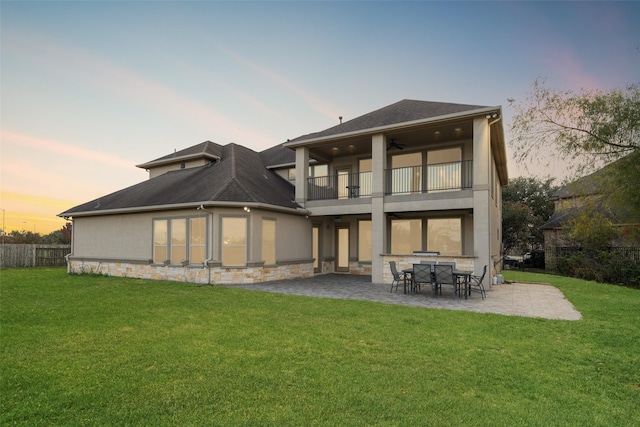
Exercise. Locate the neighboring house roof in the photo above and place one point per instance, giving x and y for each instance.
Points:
(582, 188)
(207, 149)
(404, 111)
(240, 177)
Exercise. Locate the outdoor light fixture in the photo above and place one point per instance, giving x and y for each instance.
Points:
(247, 209)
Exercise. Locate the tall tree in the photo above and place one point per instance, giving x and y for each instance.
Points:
(59, 237)
(526, 207)
(586, 130)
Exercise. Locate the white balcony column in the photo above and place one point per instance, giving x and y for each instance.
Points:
(378, 222)
(302, 174)
(482, 197)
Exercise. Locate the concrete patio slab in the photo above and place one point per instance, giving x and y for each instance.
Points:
(511, 299)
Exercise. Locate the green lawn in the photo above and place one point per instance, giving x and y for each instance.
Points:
(86, 350)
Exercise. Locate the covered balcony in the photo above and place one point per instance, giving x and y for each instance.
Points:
(427, 178)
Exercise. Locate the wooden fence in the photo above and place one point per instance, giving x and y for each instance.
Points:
(30, 255)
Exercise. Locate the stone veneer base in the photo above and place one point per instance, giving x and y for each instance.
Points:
(193, 274)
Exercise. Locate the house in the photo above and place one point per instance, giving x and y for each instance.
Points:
(412, 181)
(578, 198)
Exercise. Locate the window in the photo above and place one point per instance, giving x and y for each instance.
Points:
(197, 240)
(292, 174)
(445, 236)
(444, 169)
(365, 168)
(234, 241)
(160, 241)
(269, 241)
(364, 240)
(407, 173)
(318, 170)
(177, 240)
(406, 236)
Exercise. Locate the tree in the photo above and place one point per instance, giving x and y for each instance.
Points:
(586, 130)
(526, 207)
(516, 232)
(59, 237)
(16, 236)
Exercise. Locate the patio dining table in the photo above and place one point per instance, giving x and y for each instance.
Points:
(458, 274)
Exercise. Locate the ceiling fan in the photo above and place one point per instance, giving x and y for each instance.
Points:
(393, 144)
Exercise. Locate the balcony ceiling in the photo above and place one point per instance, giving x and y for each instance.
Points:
(409, 139)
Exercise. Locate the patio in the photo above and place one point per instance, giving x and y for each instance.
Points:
(511, 299)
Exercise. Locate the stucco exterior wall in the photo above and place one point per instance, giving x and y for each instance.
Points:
(129, 237)
(113, 236)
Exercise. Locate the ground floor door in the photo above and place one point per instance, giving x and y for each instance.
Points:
(342, 248)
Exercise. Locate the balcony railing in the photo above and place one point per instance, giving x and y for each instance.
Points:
(454, 176)
(342, 186)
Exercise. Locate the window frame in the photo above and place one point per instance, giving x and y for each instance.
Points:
(169, 226)
(223, 245)
(274, 246)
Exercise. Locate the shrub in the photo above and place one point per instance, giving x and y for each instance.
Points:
(607, 265)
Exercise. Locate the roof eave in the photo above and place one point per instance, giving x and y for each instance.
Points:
(193, 205)
(395, 126)
(155, 163)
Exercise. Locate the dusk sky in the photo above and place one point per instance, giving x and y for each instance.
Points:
(90, 89)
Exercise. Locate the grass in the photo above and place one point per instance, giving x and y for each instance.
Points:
(87, 350)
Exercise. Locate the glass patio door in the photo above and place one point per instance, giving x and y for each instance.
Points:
(342, 248)
(315, 239)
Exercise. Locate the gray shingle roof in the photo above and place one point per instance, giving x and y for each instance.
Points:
(278, 155)
(239, 177)
(206, 149)
(407, 110)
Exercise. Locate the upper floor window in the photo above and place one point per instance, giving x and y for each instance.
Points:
(316, 171)
(407, 173)
(444, 171)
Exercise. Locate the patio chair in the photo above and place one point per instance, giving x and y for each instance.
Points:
(475, 283)
(444, 276)
(421, 274)
(396, 276)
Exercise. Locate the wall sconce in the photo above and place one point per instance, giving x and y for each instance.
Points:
(247, 209)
